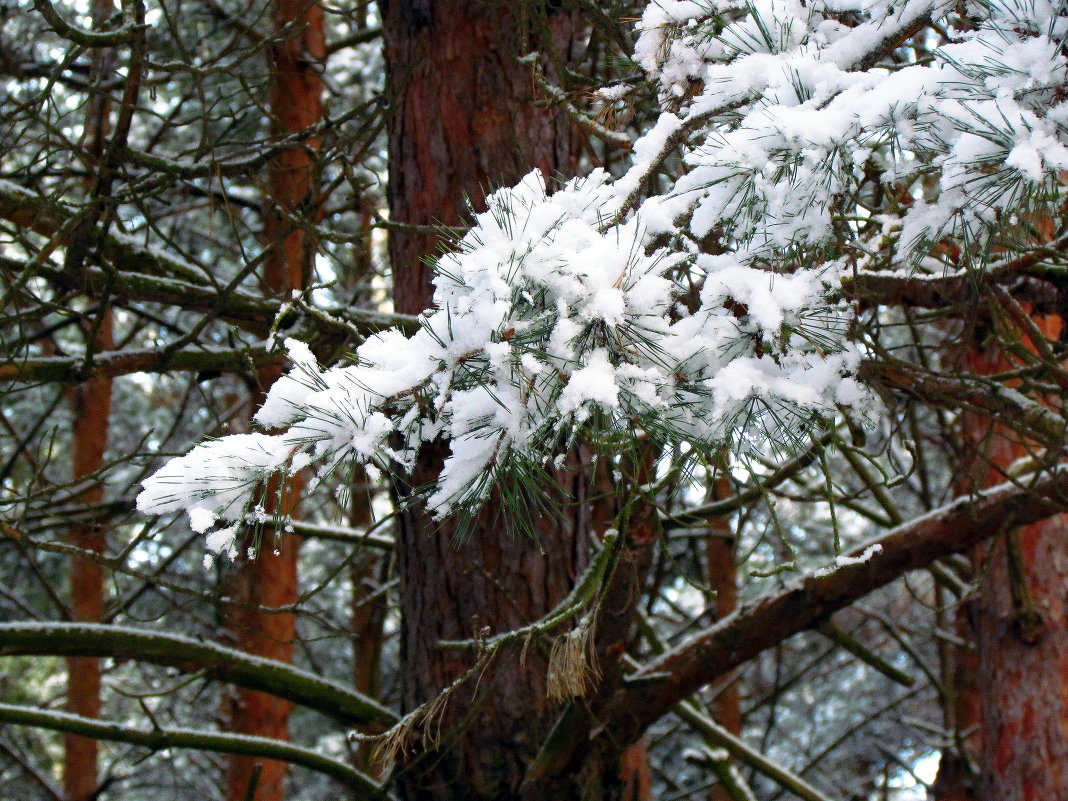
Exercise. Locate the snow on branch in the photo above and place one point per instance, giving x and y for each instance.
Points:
(818, 104)
(543, 322)
(707, 313)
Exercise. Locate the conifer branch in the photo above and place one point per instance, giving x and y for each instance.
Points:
(742, 635)
(159, 737)
(224, 664)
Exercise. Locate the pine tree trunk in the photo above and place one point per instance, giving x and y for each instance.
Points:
(91, 402)
(1023, 668)
(1020, 628)
(269, 579)
(962, 715)
(369, 608)
(92, 409)
(463, 120)
(723, 581)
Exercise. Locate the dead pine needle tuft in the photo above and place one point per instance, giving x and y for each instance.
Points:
(572, 663)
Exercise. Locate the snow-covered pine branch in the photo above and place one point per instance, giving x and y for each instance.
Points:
(821, 94)
(572, 312)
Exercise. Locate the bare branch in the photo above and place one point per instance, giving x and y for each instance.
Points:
(742, 635)
(186, 653)
(116, 363)
(159, 738)
(78, 35)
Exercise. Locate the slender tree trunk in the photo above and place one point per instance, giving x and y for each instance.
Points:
(369, 607)
(92, 408)
(91, 401)
(1020, 628)
(956, 779)
(269, 579)
(463, 120)
(723, 581)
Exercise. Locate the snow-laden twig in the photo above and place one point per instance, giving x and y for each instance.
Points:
(574, 314)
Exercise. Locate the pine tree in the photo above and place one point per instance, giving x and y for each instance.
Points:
(754, 289)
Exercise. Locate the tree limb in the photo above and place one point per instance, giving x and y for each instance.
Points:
(1009, 406)
(159, 738)
(236, 307)
(111, 364)
(1046, 287)
(744, 634)
(216, 661)
(80, 36)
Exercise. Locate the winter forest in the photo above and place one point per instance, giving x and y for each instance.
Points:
(515, 400)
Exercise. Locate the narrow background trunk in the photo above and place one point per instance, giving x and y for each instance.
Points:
(368, 572)
(269, 580)
(92, 409)
(91, 402)
(722, 577)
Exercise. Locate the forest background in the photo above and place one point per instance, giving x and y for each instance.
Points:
(187, 185)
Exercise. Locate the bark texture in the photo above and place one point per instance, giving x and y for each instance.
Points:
(493, 581)
(722, 573)
(1023, 671)
(464, 120)
(369, 574)
(1019, 624)
(260, 583)
(269, 580)
(92, 410)
(91, 401)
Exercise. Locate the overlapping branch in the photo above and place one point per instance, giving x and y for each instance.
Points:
(188, 654)
(111, 364)
(160, 737)
(807, 602)
(1038, 275)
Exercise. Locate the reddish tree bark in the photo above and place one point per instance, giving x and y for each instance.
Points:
(1019, 691)
(269, 580)
(464, 120)
(296, 104)
(91, 401)
(635, 774)
(1023, 670)
(723, 581)
(92, 409)
(369, 607)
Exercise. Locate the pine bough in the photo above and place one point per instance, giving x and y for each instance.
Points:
(809, 140)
